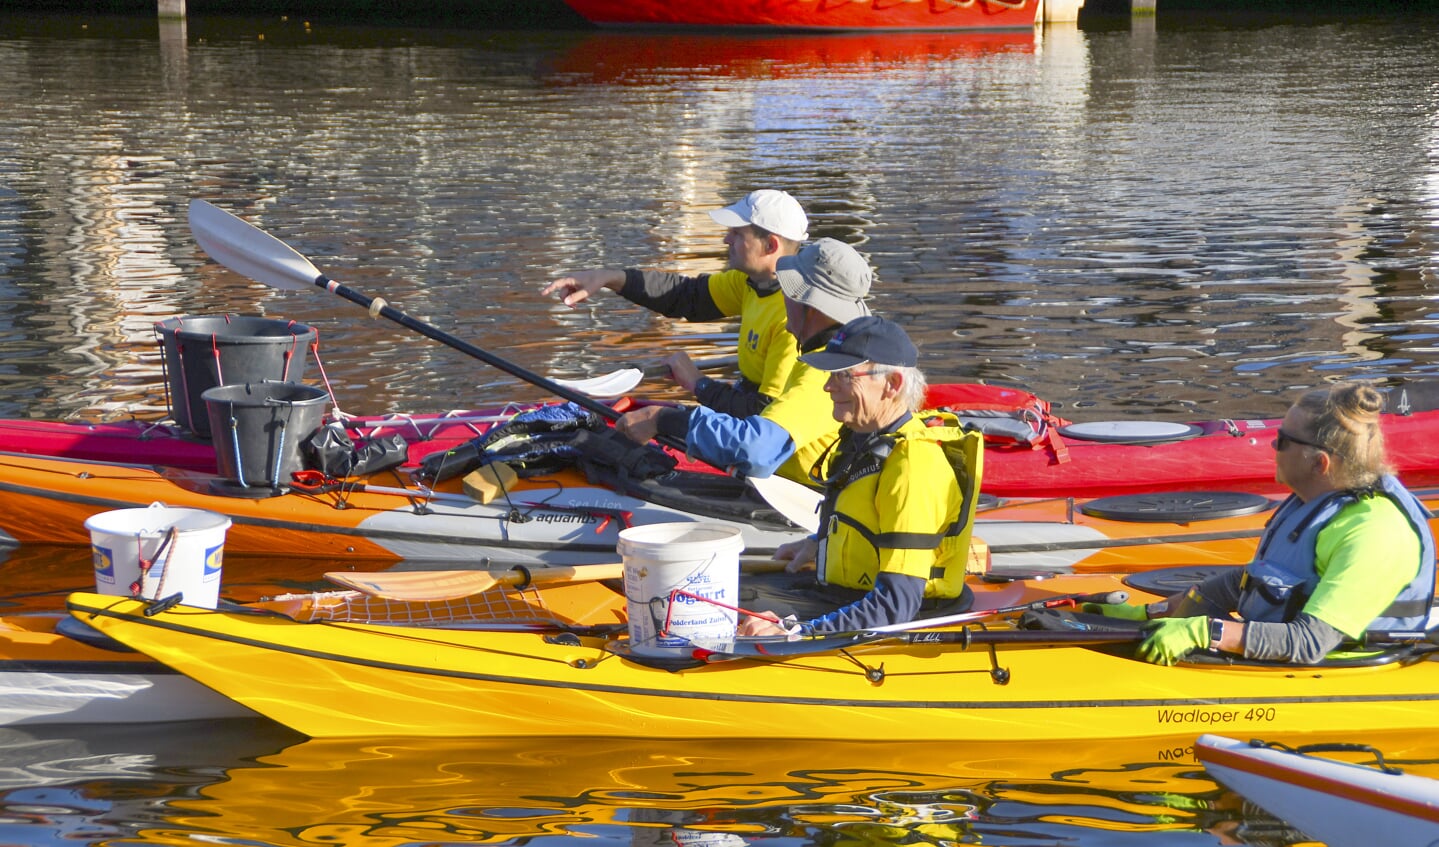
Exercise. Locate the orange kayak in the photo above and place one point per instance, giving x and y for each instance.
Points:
(564, 520)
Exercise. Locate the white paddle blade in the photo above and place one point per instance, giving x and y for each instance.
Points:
(249, 251)
(796, 502)
(625, 380)
(606, 385)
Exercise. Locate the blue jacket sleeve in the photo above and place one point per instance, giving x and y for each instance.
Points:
(752, 446)
(894, 599)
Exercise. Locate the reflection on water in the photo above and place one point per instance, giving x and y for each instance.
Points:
(257, 785)
(620, 58)
(1186, 218)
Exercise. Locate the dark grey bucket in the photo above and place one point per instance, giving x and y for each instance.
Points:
(204, 352)
(258, 429)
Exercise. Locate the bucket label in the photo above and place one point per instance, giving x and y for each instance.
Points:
(104, 560)
(214, 559)
(671, 610)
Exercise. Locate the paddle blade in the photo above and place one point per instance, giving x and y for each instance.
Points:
(796, 502)
(606, 385)
(249, 251)
(417, 586)
(431, 586)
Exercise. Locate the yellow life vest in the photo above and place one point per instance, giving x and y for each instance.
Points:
(909, 511)
(767, 351)
(806, 412)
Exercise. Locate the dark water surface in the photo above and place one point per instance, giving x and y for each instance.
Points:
(1186, 218)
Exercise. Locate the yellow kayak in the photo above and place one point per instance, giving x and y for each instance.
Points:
(52, 674)
(349, 679)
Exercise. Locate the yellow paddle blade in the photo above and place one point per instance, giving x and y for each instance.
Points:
(562, 604)
(431, 586)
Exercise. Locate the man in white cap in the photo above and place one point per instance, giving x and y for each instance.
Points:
(763, 227)
(824, 286)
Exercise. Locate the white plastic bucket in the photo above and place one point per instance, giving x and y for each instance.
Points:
(186, 562)
(701, 560)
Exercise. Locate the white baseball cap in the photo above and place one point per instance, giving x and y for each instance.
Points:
(767, 209)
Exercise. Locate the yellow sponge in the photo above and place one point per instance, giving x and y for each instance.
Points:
(490, 481)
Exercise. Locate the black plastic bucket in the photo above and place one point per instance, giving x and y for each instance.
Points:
(258, 429)
(205, 352)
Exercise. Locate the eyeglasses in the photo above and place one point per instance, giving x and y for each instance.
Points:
(848, 377)
(1283, 439)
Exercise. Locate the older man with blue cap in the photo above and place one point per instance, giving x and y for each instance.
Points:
(893, 541)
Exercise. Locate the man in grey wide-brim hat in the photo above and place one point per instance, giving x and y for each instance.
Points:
(824, 286)
(830, 278)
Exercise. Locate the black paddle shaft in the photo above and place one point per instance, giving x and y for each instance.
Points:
(387, 311)
(966, 637)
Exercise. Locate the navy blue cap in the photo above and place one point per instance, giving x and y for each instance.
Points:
(867, 339)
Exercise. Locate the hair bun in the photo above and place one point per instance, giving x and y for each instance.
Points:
(1358, 402)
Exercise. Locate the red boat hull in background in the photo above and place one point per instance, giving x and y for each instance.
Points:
(812, 14)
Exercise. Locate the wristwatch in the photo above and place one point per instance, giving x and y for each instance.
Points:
(1216, 632)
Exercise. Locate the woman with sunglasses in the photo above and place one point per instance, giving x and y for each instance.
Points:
(1349, 551)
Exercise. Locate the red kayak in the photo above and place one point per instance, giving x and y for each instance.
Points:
(811, 14)
(1105, 458)
(1032, 452)
(171, 445)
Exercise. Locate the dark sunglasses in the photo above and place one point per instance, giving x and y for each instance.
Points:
(1283, 439)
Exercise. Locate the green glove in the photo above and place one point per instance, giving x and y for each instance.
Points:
(1170, 638)
(1123, 611)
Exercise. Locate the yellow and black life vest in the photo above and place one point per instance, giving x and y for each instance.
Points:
(901, 502)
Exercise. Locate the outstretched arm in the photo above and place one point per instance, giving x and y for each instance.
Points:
(581, 285)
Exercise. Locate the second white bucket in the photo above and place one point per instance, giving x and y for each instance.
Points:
(700, 560)
(136, 547)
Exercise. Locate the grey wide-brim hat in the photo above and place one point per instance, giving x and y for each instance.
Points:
(829, 276)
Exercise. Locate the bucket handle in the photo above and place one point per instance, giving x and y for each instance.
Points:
(235, 445)
(162, 555)
(280, 448)
(284, 425)
(280, 451)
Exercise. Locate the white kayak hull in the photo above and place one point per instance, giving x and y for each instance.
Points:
(1340, 803)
